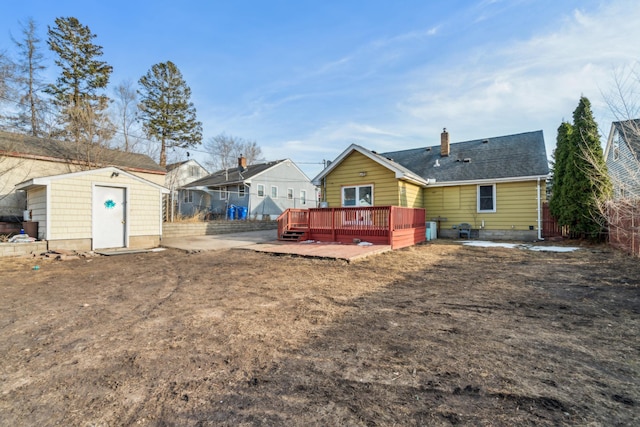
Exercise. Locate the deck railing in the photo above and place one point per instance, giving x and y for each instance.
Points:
(376, 224)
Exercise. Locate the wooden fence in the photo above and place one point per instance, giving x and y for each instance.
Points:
(624, 226)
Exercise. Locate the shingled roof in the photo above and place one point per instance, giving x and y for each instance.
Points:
(502, 157)
(17, 145)
(232, 175)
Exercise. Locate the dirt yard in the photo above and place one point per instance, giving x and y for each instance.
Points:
(437, 334)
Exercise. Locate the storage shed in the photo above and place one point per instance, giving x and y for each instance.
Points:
(96, 209)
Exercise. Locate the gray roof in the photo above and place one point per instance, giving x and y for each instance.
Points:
(17, 145)
(511, 156)
(232, 175)
(630, 132)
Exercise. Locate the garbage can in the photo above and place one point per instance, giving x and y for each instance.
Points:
(242, 212)
(30, 228)
(231, 212)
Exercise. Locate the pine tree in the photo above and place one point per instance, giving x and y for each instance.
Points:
(581, 182)
(29, 66)
(558, 202)
(166, 112)
(78, 91)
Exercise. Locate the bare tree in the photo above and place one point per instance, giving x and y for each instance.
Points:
(224, 151)
(126, 100)
(7, 76)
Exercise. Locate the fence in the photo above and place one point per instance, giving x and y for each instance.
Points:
(624, 225)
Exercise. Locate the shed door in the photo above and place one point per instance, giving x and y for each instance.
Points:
(109, 217)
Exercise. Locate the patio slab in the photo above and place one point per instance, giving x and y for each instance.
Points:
(346, 252)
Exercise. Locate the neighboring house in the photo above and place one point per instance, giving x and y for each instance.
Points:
(180, 174)
(264, 189)
(65, 188)
(23, 157)
(497, 184)
(621, 156)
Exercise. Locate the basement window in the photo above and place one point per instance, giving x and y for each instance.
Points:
(487, 198)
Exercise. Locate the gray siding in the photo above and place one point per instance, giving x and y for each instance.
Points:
(623, 168)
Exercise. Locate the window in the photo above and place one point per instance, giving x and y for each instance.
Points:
(303, 197)
(274, 192)
(241, 191)
(194, 170)
(357, 195)
(487, 198)
(223, 194)
(188, 196)
(260, 190)
(290, 193)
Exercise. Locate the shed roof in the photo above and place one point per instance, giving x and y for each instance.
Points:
(18, 145)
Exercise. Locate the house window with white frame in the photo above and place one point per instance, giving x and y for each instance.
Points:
(188, 196)
(260, 190)
(241, 191)
(487, 198)
(274, 192)
(289, 193)
(303, 197)
(223, 194)
(358, 195)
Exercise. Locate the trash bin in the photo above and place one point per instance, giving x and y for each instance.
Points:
(31, 228)
(242, 212)
(231, 212)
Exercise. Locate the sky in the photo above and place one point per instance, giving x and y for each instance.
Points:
(305, 79)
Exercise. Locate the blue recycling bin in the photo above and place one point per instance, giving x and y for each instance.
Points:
(231, 212)
(242, 212)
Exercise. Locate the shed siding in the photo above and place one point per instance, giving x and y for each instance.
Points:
(38, 205)
(71, 210)
(516, 206)
(385, 186)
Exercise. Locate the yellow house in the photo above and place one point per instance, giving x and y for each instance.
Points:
(496, 185)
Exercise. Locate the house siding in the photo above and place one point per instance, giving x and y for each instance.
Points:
(623, 170)
(409, 195)
(516, 206)
(385, 185)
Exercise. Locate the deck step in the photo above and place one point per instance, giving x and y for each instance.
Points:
(292, 235)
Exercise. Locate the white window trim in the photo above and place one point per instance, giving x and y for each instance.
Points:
(274, 194)
(358, 193)
(188, 196)
(260, 186)
(290, 194)
(303, 197)
(241, 191)
(223, 194)
(494, 197)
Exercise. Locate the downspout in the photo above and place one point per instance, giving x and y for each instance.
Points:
(539, 213)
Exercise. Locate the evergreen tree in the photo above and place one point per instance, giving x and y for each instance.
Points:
(558, 203)
(29, 66)
(581, 182)
(78, 89)
(167, 114)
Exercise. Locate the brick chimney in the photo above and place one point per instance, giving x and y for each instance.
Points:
(242, 162)
(445, 149)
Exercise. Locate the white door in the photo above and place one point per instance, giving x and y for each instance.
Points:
(109, 217)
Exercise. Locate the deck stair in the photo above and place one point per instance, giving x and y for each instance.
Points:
(293, 235)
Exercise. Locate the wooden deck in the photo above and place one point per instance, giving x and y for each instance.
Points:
(395, 226)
